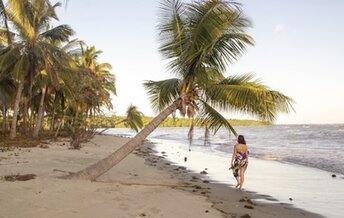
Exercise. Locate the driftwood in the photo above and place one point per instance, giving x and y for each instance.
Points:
(24, 177)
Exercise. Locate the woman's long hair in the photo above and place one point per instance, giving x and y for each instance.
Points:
(241, 140)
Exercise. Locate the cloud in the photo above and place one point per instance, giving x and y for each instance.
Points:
(280, 29)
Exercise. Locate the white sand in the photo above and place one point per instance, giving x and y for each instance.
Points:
(46, 196)
(136, 187)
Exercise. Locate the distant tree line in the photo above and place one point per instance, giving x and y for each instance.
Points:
(113, 122)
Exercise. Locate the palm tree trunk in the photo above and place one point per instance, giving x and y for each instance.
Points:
(61, 122)
(7, 122)
(31, 118)
(39, 115)
(52, 119)
(94, 171)
(59, 125)
(25, 115)
(4, 119)
(13, 132)
(52, 122)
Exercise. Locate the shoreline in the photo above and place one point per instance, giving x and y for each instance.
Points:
(144, 184)
(306, 188)
(230, 201)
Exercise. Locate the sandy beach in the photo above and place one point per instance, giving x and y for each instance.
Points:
(143, 185)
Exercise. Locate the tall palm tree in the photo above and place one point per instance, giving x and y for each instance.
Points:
(200, 40)
(99, 82)
(47, 83)
(56, 97)
(43, 87)
(33, 50)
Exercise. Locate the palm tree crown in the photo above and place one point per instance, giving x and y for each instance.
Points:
(200, 40)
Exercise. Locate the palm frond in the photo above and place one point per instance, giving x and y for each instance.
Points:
(226, 49)
(52, 10)
(134, 118)
(213, 120)
(44, 12)
(162, 93)
(5, 34)
(217, 35)
(7, 88)
(73, 48)
(245, 95)
(172, 32)
(60, 33)
(21, 66)
(202, 34)
(104, 67)
(207, 76)
(8, 58)
(20, 13)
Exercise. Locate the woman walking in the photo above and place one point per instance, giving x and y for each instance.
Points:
(240, 161)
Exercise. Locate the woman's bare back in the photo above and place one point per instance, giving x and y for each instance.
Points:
(242, 148)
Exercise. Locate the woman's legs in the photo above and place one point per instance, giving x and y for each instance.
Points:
(238, 181)
(236, 173)
(242, 176)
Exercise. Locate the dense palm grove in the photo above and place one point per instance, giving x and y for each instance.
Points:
(45, 74)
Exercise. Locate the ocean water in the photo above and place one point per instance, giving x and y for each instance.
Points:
(286, 161)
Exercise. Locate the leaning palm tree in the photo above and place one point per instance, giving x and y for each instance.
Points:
(200, 40)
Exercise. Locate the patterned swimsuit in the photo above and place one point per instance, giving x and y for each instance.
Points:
(240, 161)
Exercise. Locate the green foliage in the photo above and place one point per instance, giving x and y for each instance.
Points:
(43, 72)
(199, 40)
(111, 122)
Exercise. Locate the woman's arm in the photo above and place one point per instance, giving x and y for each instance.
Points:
(247, 153)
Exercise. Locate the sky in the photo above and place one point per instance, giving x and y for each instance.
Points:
(299, 51)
